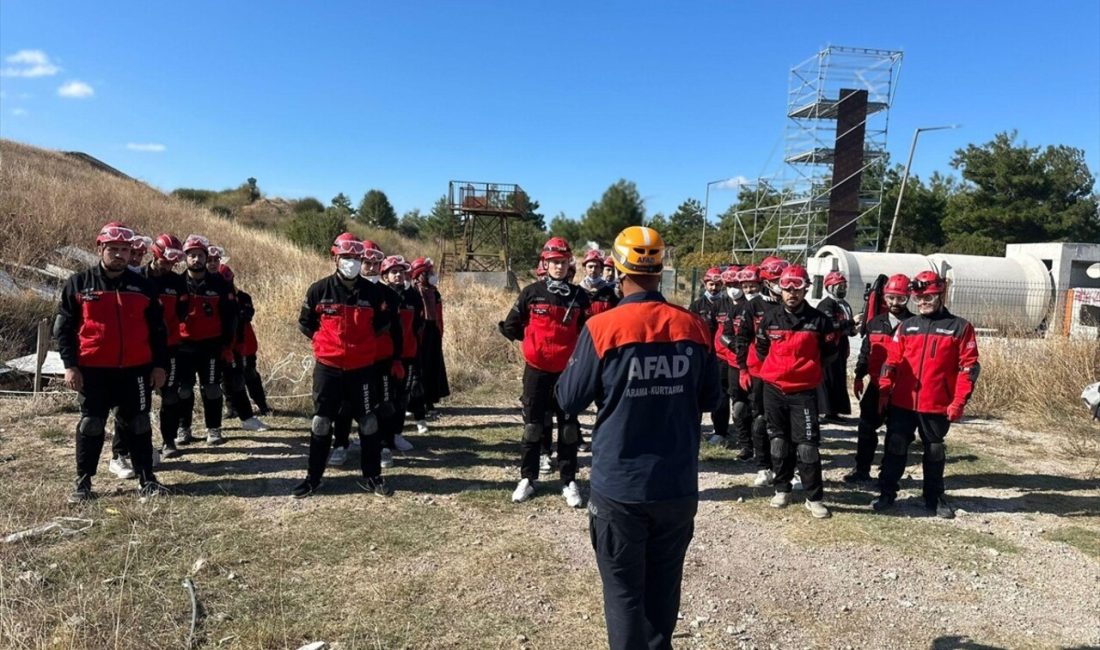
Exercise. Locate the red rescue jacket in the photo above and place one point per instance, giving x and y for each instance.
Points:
(793, 347)
(212, 313)
(548, 323)
(872, 351)
(175, 301)
(931, 364)
(345, 322)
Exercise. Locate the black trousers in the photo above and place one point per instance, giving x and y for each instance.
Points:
(832, 392)
(867, 434)
(759, 431)
(742, 410)
(720, 417)
(170, 399)
(236, 389)
(900, 427)
(129, 393)
(203, 369)
(414, 389)
(350, 395)
(539, 402)
(795, 435)
(640, 549)
(255, 383)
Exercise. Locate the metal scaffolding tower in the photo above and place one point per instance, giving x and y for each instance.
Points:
(830, 187)
(482, 213)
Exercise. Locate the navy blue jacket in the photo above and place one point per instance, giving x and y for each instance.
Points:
(648, 366)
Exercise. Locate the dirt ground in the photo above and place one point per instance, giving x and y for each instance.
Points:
(449, 561)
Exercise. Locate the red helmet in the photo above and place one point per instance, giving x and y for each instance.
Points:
(729, 276)
(226, 273)
(556, 248)
(347, 244)
(395, 261)
(540, 271)
(927, 283)
(420, 266)
(833, 278)
(593, 256)
(609, 262)
(772, 268)
(114, 232)
(749, 273)
(372, 252)
(713, 274)
(195, 242)
(167, 247)
(897, 284)
(794, 277)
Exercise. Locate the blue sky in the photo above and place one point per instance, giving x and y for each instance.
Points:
(563, 98)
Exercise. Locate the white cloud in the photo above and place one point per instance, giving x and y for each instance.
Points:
(76, 90)
(19, 112)
(732, 183)
(29, 63)
(146, 147)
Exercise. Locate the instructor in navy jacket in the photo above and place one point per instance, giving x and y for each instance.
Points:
(648, 367)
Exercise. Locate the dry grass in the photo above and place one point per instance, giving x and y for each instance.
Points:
(1037, 383)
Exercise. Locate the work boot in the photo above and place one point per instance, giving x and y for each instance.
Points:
(82, 491)
(377, 486)
(884, 502)
(746, 454)
(152, 489)
(305, 488)
(942, 508)
(857, 477)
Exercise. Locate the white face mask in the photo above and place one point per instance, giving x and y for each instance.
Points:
(734, 293)
(374, 278)
(349, 267)
(433, 279)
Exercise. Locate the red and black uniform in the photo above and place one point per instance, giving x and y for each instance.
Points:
(433, 369)
(233, 359)
(602, 298)
(725, 346)
(547, 318)
(208, 334)
(112, 330)
(715, 312)
(793, 348)
(345, 320)
(386, 392)
(872, 354)
(833, 393)
(175, 303)
(410, 314)
(930, 371)
(743, 329)
(247, 347)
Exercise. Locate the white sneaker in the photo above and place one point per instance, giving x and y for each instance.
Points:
(717, 440)
(401, 443)
(524, 491)
(387, 458)
(183, 436)
(796, 482)
(781, 500)
(214, 437)
(421, 427)
(572, 495)
(253, 424)
(337, 457)
(121, 467)
(818, 509)
(544, 464)
(763, 478)
(408, 414)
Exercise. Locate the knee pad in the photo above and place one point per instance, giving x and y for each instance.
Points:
(368, 424)
(780, 448)
(211, 391)
(320, 427)
(570, 432)
(808, 454)
(739, 410)
(90, 427)
(896, 445)
(140, 425)
(186, 392)
(532, 432)
(936, 452)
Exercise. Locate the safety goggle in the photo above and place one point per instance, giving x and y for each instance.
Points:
(373, 255)
(216, 251)
(117, 234)
(920, 286)
(747, 276)
(141, 243)
(348, 247)
(195, 241)
(172, 254)
(793, 284)
(558, 287)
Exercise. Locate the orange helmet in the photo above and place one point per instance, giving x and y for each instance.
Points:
(639, 250)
